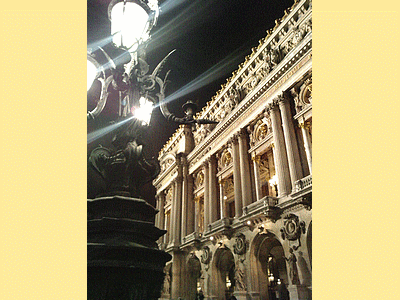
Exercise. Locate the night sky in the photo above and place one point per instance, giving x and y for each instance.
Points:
(205, 34)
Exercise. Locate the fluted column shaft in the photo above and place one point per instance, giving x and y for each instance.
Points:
(237, 182)
(160, 207)
(280, 157)
(307, 142)
(190, 207)
(177, 205)
(257, 180)
(221, 199)
(161, 213)
(292, 149)
(213, 194)
(245, 168)
(196, 213)
(206, 195)
(185, 204)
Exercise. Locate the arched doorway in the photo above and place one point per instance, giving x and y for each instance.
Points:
(223, 270)
(193, 280)
(268, 266)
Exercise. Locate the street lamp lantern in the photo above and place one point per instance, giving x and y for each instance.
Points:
(131, 21)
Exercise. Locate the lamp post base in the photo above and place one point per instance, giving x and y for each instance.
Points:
(124, 262)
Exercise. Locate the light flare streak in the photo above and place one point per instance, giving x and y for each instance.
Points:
(91, 137)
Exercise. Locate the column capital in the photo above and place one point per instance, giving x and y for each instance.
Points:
(234, 139)
(242, 133)
(273, 106)
(161, 194)
(256, 158)
(211, 159)
(221, 181)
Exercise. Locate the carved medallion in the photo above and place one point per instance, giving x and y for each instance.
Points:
(206, 255)
(240, 246)
(292, 229)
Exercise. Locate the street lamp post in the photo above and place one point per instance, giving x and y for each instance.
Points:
(124, 261)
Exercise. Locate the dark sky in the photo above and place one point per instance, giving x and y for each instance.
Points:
(204, 33)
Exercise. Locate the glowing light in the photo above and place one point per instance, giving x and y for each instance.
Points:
(228, 281)
(143, 112)
(129, 22)
(91, 73)
(211, 238)
(274, 180)
(248, 222)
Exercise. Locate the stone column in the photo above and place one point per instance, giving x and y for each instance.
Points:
(221, 199)
(179, 275)
(161, 213)
(176, 216)
(237, 182)
(185, 204)
(166, 237)
(305, 127)
(213, 195)
(292, 149)
(245, 168)
(256, 166)
(206, 196)
(190, 206)
(156, 220)
(196, 213)
(280, 157)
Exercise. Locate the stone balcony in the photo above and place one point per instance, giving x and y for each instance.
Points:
(266, 207)
(302, 187)
(219, 227)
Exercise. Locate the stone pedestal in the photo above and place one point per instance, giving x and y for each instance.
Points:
(242, 295)
(255, 296)
(124, 262)
(299, 292)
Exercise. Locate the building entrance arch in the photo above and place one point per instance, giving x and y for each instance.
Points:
(223, 270)
(193, 279)
(267, 266)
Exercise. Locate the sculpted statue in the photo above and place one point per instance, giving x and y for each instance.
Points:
(167, 284)
(292, 262)
(240, 282)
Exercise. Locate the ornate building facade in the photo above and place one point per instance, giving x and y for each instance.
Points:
(235, 197)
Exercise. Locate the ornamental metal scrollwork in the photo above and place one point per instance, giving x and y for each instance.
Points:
(240, 245)
(292, 229)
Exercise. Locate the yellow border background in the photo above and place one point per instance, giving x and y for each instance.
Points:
(356, 160)
(43, 128)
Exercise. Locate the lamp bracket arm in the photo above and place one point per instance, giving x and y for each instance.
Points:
(103, 98)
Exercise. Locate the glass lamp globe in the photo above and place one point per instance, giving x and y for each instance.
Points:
(130, 23)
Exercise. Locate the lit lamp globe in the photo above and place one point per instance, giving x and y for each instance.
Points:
(93, 70)
(131, 22)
